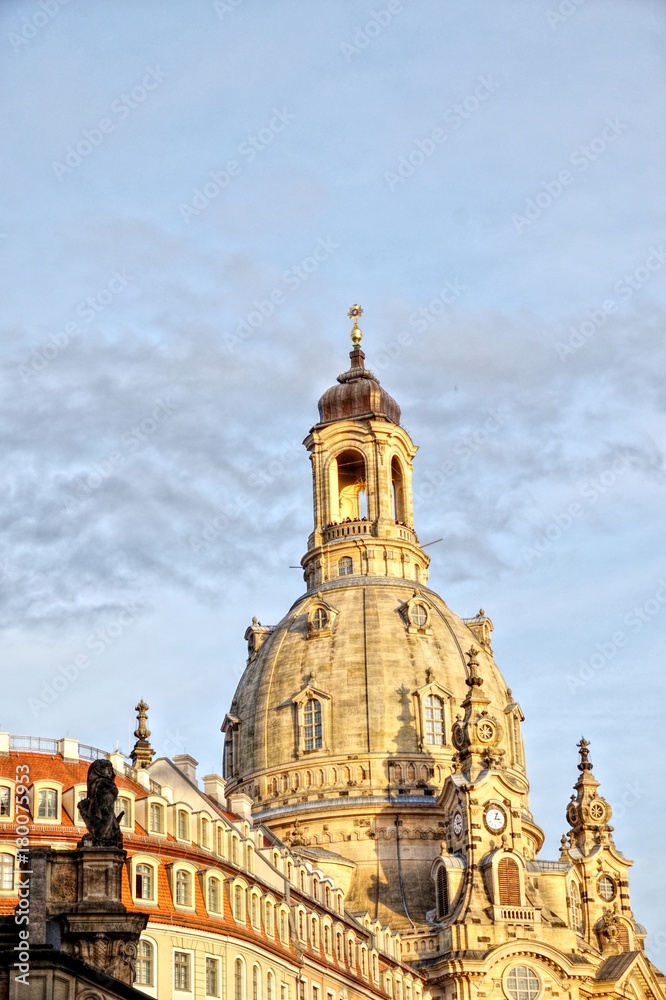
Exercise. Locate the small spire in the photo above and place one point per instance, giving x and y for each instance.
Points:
(143, 753)
(356, 334)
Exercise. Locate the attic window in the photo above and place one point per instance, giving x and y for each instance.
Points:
(319, 619)
(418, 615)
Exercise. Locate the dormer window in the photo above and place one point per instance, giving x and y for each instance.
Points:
(319, 619)
(47, 803)
(312, 725)
(418, 615)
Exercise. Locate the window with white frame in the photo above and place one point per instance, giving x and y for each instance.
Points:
(249, 857)
(7, 864)
(234, 850)
(256, 983)
(182, 971)
(182, 825)
(312, 725)
(156, 818)
(284, 926)
(5, 801)
(47, 803)
(239, 902)
(213, 980)
(214, 895)
(205, 832)
(270, 986)
(144, 881)
(123, 809)
(433, 711)
(239, 979)
(254, 910)
(522, 983)
(144, 970)
(183, 888)
(269, 918)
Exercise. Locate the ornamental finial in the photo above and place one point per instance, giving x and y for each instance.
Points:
(356, 334)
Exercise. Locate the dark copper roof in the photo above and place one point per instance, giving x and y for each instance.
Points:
(358, 394)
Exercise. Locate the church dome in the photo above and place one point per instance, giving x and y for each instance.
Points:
(356, 692)
(358, 712)
(358, 394)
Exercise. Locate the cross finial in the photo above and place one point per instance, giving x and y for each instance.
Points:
(356, 334)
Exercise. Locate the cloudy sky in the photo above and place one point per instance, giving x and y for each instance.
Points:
(194, 196)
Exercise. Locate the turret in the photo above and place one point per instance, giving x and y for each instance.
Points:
(362, 482)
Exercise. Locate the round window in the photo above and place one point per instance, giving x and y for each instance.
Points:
(418, 615)
(606, 888)
(319, 619)
(522, 983)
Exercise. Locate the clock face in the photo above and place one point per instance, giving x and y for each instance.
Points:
(495, 819)
(457, 824)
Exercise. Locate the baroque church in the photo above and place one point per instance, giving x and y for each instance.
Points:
(371, 837)
(374, 733)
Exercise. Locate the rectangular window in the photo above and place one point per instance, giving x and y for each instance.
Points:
(5, 802)
(315, 993)
(156, 818)
(212, 977)
(182, 970)
(47, 804)
(183, 825)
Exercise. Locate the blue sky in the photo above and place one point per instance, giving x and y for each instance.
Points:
(194, 196)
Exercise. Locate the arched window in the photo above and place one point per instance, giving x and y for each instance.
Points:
(352, 486)
(327, 940)
(397, 490)
(327, 895)
(434, 720)
(339, 953)
(144, 882)
(183, 888)
(283, 926)
(239, 980)
(254, 910)
(6, 871)
(345, 566)
(312, 727)
(270, 986)
(144, 972)
(301, 925)
(319, 619)
(5, 801)
(214, 895)
(508, 878)
(442, 892)
(256, 983)
(205, 832)
(576, 908)
(238, 903)
(350, 951)
(156, 818)
(183, 825)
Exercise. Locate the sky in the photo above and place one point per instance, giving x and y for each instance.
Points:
(195, 194)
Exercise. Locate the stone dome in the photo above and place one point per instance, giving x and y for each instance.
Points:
(357, 394)
(384, 647)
